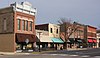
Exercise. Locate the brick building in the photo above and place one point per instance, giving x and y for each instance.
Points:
(76, 39)
(90, 35)
(17, 26)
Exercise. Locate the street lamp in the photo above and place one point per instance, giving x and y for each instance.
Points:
(39, 40)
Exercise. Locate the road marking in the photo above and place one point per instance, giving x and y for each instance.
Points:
(56, 54)
(97, 56)
(85, 56)
(64, 54)
(73, 55)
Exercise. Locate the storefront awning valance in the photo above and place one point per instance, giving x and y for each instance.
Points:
(22, 37)
(57, 40)
(94, 40)
(90, 40)
(80, 41)
(45, 39)
(71, 40)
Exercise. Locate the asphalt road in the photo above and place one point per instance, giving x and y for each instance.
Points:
(40, 56)
(89, 53)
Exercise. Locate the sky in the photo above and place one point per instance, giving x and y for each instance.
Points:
(50, 11)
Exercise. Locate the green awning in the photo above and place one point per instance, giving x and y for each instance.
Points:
(57, 40)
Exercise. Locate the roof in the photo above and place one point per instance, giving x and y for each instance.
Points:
(91, 26)
(98, 31)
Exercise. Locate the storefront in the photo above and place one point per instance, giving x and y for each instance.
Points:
(57, 43)
(78, 42)
(24, 41)
(70, 42)
(92, 43)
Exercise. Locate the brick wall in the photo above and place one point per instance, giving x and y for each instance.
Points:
(6, 14)
(7, 43)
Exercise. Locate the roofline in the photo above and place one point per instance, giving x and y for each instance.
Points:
(91, 26)
(5, 7)
(47, 24)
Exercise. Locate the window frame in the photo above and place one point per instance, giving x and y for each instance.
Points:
(26, 25)
(23, 24)
(5, 24)
(31, 25)
(18, 24)
(51, 31)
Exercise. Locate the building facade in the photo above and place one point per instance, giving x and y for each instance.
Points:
(53, 30)
(76, 39)
(90, 35)
(17, 24)
(98, 38)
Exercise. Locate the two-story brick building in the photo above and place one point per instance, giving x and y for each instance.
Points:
(76, 39)
(90, 35)
(17, 24)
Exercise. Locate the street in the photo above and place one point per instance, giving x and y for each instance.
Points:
(89, 53)
(42, 56)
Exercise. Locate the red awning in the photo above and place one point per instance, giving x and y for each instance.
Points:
(94, 41)
(90, 40)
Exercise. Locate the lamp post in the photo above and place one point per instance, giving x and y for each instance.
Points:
(39, 40)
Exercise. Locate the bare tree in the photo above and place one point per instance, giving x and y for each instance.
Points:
(67, 28)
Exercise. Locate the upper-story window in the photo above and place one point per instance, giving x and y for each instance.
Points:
(51, 30)
(5, 24)
(26, 25)
(57, 31)
(18, 24)
(23, 24)
(30, 26)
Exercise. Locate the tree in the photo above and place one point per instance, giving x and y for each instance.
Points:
(67, 28)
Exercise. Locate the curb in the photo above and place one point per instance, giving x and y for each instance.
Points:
(9, 53)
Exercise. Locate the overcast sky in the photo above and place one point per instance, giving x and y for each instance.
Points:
(50, 11)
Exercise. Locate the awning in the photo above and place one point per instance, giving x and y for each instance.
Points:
(80, 41)
(57, 40)
(22, 37)
(94, 40)
(90, 40)
(45, 39)
(71, 40)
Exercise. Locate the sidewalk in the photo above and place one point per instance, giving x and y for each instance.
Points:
(15, 53)
(70, 49)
